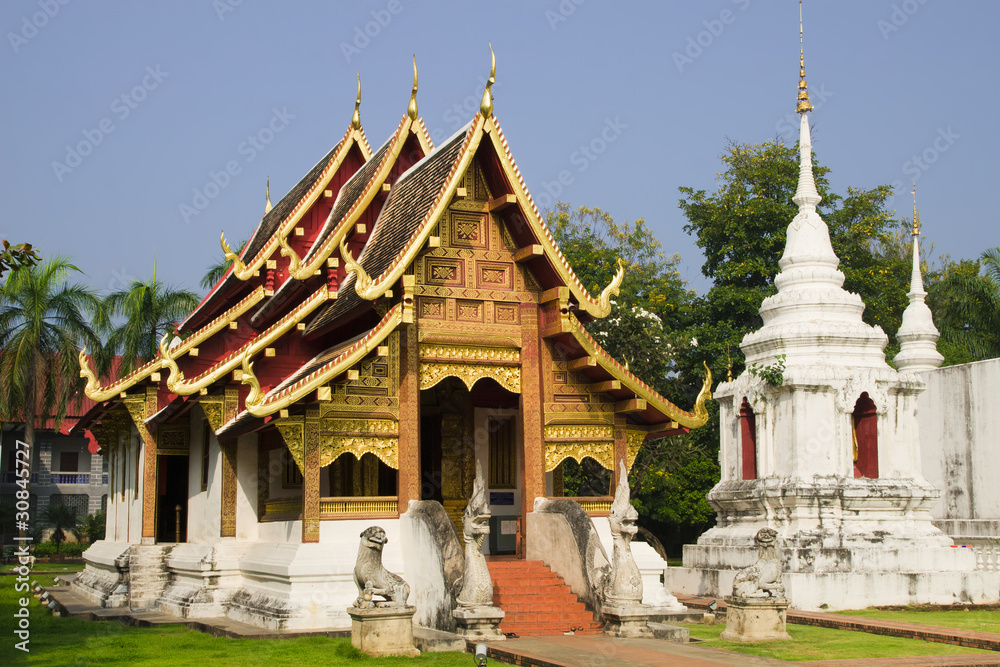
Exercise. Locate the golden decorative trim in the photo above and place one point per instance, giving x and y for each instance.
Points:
(369, 506)
(604, 301)
(486, 105)
(633, 440)
(802, 105)
(179, 385)
(432, 372)
(411, 109)
(356, 118)
(601, 451)
(331, 446)
(213, 407)
(294, 261)
(699, 413)
(595, 506)
(267, 196)
(359, 426)
(470, 353)
(274, 402)
(579, 432)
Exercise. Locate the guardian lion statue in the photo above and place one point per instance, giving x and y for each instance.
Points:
(372, 578)
(763, 578)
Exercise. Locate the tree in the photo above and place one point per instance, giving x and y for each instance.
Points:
(93, 526)
(216, 271)
(966, 306)
(149, 310)
(43, 324)
(60, 517)
(14, 256)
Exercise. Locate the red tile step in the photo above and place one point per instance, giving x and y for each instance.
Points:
(537, 601)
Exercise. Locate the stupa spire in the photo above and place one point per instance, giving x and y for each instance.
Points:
(917, 334)
(803, 104)
(806, 195)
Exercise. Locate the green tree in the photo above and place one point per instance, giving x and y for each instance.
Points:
(60, 517)
(43, 324)
(966, 306)
(93, 526)
(14, 256)
(149, 309)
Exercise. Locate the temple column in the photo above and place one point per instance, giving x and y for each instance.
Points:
(140, 409)
(409, 418)
(310, 477)
(621, 451)
(228, 520)
(533, 461)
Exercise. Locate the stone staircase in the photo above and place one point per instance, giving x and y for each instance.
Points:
(148, 575)
(537, 601)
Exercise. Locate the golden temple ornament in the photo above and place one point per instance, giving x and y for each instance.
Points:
(411, 109)
(356, 119)
(267, 196)
(803, 104)
(916, 214)
(486, 106)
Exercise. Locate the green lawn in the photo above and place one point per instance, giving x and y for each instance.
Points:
(69, 642)
(983, 621)
(811, 643)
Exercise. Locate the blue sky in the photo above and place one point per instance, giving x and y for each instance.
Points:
(159, 96)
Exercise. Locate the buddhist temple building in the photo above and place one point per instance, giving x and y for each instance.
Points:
(399, 315)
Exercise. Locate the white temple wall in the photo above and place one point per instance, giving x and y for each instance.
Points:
(204, 507)
(959, 423)
(246, 489)
(124, 522)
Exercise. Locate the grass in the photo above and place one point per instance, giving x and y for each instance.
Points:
(811, 643)
(974, 619)
(70, 642)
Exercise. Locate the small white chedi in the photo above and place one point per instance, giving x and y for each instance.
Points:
(827, 454)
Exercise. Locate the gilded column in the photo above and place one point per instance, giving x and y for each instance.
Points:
(310, 477)
(621, 451)
(227, 449)
(228, 521)
(150, 406)
(533, 473)
(409, 417)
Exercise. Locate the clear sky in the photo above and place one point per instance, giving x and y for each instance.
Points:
(116, 115)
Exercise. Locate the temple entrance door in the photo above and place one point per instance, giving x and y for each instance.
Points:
(500, 452)
(171, 493)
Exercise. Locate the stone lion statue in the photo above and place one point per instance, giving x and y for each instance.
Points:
(763, 578)
(372, 578)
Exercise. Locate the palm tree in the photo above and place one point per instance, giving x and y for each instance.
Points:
(43, 323)
(216, 271)
(60, 517)
(966, 305)
(149, 309)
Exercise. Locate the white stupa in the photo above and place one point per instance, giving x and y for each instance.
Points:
(917, 334)
(829, 457)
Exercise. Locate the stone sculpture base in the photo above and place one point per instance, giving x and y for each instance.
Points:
(629, 621)
(479, 622)
(755, 619)
(382, 631)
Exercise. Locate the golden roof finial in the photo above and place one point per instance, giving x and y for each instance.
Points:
(729, 366)
(267, 196)
(486, 106)
(356, 120)
(916, 214)
(803, 104)
(411, 110)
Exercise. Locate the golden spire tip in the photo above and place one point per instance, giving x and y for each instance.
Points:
(411, 110)
(486, 106)
(356, 119)
(916, 214)
(267, 196)
(803, 105)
